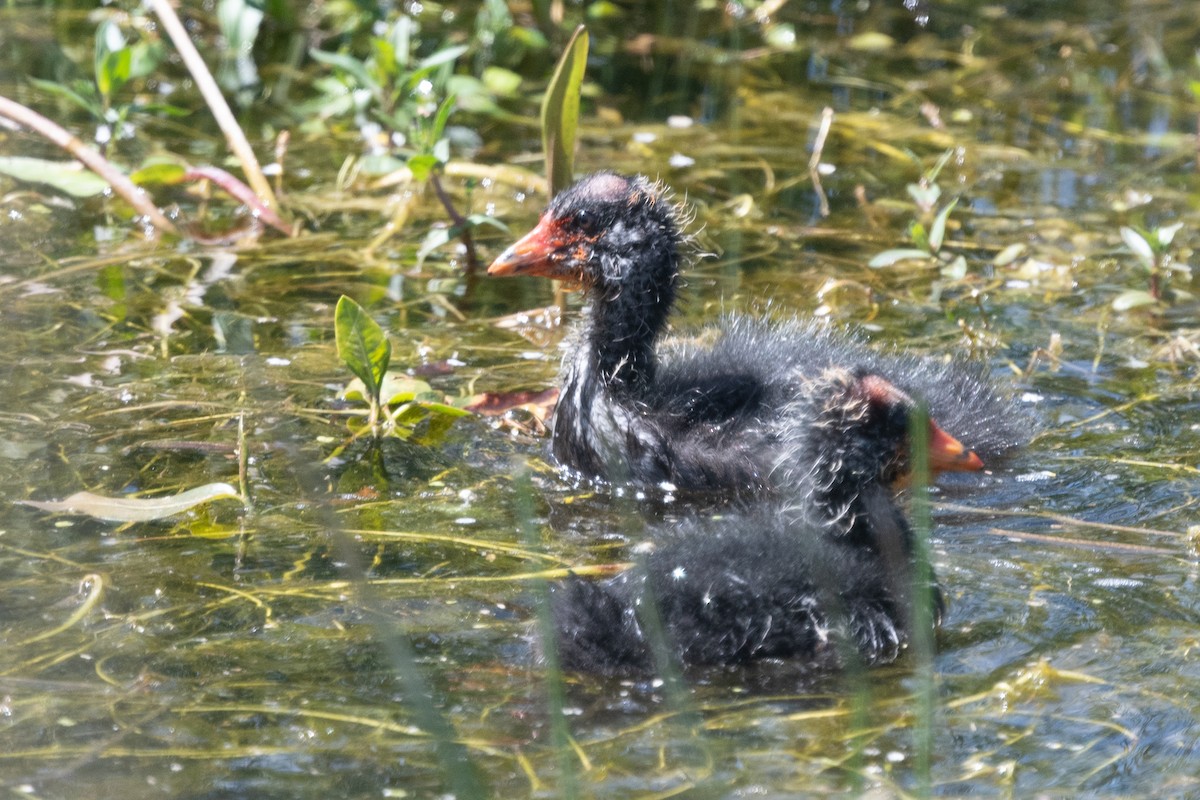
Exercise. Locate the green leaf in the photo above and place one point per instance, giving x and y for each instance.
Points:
(66, 176)
(145, 58)
(440, 118)
(1166, 234)
(394, 390)
(916, 232)
(1132, 298)
(889, 257)
(925, 196)
(956, 270)
(937, 231)
(166, 173)
(501, 82)
(136, 509)
(444, 56)
(1010, 254)
(353, 68)
(362, 345)
(89, 103)
(1138, 243)
(422, 166)
(109, 43)
(560, 112)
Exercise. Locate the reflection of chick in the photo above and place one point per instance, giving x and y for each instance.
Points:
(701, 418)
(819, 580)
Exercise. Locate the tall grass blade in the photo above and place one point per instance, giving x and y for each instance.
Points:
(560, 112)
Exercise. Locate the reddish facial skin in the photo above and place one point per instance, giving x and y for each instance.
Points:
(541, 252)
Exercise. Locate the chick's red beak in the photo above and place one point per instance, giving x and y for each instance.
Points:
(542, 252)
(947, 454)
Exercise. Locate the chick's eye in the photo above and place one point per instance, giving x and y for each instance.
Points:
(585, 220)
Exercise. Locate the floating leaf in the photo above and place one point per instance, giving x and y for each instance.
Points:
(361, 344)
(1132, 298)
(66, 176)
(394, 390)
(871, 42)
(162, 172)
(1009, 254)
(889, 257)
(136, 509)
(956, 270)
(560, 112)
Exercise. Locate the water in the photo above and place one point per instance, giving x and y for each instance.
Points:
(284, 651)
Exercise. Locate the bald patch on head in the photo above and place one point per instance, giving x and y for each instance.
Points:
(604, 187)
(881, 393)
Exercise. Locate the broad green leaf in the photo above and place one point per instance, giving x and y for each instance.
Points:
(163, 172)
(1141, 248)
(560, 112)
(136, 509)
(440, 419)
(937, 231)
(1132, 298)
(361, 344)
(889, 257)
(66, 176)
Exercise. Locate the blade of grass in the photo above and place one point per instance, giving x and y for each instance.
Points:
(922, 602)
(560, 112)
(560, 734)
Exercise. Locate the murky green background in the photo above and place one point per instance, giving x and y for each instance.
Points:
(283, 651)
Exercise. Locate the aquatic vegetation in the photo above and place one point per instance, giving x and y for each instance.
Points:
(396, 404)
(1152, 250)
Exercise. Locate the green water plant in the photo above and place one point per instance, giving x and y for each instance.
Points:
(116, 62)
(560, 112)
(397, 405)
(927, 233)
(1152, 250)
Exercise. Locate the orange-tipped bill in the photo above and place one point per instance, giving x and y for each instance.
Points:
(541, 252)
(947, 454)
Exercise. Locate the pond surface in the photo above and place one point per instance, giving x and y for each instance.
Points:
(363, 629)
